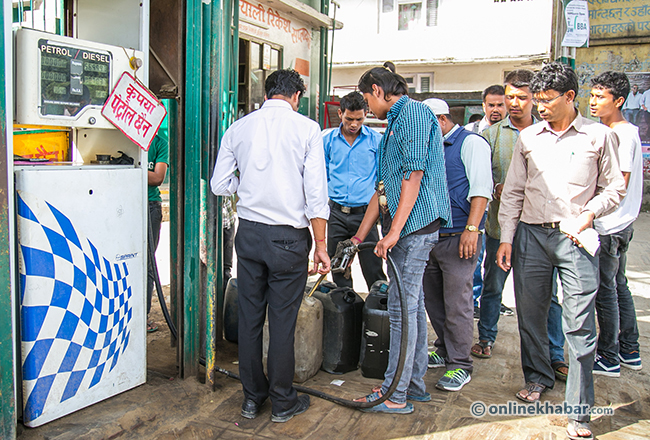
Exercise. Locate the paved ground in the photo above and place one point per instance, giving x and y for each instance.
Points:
(169, 408)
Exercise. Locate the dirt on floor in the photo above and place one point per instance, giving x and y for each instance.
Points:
(166, 407)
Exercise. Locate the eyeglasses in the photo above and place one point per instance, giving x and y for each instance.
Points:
(537, 101)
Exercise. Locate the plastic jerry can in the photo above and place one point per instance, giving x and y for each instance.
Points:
(342, 318)
(375, 334)
(231, 312)
(308, 343)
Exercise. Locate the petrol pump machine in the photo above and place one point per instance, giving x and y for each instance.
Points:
(81, 232)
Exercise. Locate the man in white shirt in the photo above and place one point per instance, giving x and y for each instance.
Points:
(645, 106)
(618, 342)
(632, 105)
(273, 158)
(494, 107)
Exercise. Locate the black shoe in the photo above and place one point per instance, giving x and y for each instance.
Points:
(249, 408)
(506, 311)
(477, 313)
(300, 407)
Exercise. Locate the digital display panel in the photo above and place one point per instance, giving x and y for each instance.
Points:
(72, 78)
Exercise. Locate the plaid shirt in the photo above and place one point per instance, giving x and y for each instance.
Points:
(228, 213)
(502, 138)
(413, 142)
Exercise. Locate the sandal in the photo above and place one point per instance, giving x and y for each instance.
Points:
(482, 349)
(151, 327)
(560, 375)
(531, 387)
(574, 426)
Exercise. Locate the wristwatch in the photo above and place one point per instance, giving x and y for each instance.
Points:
(471, 228)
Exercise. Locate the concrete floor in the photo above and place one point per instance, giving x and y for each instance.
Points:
(169, 408)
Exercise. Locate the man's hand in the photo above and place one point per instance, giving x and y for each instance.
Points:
(582, 222)
(503, 256)
(498, 189)
(320, 259)
(468, 244)
(386, 244)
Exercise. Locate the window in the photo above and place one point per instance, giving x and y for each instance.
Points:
(410, 13)
(432, 12)
(409, 16)
(419, 82)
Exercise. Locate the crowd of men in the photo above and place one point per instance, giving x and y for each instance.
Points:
(529, 192)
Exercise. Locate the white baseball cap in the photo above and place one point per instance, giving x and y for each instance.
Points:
(438, 106)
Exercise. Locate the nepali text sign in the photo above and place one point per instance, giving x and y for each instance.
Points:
(134, 110)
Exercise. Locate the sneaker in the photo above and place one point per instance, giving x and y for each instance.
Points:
(435, 361)
(477, 312)
(630, 360)
(506, 311)
(453, 380)
(604, 367)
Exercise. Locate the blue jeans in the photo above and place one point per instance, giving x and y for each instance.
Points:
(493, 283)
(478, 276)
(410, 255)
(614, 303)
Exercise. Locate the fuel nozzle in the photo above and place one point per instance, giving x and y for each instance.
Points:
(343, 257)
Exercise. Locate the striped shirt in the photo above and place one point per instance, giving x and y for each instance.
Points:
(502, 138)
(413, 142)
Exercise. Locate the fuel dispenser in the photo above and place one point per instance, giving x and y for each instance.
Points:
(81, 227)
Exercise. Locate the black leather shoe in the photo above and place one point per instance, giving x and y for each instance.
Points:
(300, 407)
(249, 408)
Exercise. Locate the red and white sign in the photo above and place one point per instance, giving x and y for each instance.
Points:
(134, 110)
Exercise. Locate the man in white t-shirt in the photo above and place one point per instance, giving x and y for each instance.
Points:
(618, 341)
(632, 105)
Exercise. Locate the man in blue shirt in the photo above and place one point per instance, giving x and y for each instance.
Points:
(413, 201)
(351, 160)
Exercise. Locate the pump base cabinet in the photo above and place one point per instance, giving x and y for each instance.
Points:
(82, 280)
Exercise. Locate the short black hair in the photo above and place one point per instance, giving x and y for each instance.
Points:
(519, 78)
(555, 76)
(615, 83)
(391, 83)
(284, 82)
(495, 89)
(475, 117)
(353, 101)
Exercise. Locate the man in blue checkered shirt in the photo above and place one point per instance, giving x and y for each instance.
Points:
(413, 202)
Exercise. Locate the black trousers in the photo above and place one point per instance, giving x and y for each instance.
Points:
(155, 218)
(341, 227)
(272, 273)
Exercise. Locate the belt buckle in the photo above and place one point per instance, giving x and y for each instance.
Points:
(346, 209)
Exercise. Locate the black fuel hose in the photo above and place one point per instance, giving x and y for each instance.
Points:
(402, 349)
(302, 389)
(154, 267)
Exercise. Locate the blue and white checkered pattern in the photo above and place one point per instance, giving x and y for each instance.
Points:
(413, 142)
(75, 308)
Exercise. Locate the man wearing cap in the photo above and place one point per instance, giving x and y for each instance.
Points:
(448, 276)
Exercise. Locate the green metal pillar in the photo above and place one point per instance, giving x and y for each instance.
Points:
(7, 389)
(189, 333)
(323, 85)
(211, 21)
(224, 48)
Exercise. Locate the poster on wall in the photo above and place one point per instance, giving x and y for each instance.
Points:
(637, 108)
(576, 14)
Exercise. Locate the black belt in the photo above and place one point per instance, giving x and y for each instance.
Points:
(551, 225)
(349, 210)
(450, 234)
